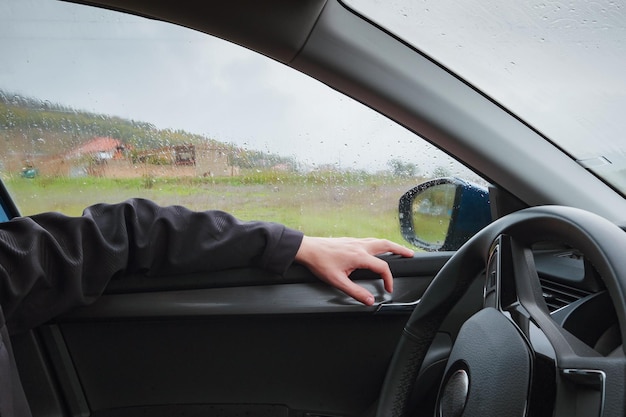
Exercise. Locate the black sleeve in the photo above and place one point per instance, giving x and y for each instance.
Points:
(50, 263)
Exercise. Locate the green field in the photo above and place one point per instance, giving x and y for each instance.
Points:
(328, 203)
(320, 205)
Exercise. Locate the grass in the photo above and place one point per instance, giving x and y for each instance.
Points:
(431, 228)
(319, 205)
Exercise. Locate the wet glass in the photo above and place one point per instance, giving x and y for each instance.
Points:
(98, 106)
(557, 65)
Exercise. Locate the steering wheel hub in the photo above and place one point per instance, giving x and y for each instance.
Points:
(492, 351)
(454, 394)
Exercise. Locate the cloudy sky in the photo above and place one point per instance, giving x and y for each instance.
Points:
(174, 78)
(560, 65)
(542, 59)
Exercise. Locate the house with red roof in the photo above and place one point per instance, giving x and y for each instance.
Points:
(99, 148)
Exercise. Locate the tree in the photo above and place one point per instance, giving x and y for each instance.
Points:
(440, 172)
(402, 169)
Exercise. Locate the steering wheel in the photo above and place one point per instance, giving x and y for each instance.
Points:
(510, 358)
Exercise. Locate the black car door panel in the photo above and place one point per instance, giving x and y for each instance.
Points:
(230, 343)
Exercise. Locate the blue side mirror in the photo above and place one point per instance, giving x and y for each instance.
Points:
(443, 214)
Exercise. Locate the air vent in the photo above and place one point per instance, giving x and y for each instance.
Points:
(559, 295)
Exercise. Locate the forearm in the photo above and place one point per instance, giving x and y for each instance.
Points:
(50, 263)
(174, 240)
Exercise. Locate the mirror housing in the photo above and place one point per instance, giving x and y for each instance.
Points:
(442, 214)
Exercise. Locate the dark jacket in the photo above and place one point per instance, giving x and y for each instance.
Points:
(50, 263)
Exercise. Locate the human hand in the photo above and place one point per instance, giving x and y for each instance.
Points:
(333, 259)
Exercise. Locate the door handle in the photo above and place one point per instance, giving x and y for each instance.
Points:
(396, 308)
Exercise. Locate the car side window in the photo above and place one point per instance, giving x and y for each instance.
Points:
(4, 213)
(99, 106)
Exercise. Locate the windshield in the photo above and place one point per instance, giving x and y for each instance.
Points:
(557, 65)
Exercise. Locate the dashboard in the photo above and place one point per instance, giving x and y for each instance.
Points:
(578, 300)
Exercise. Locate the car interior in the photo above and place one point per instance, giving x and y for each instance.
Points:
(522, 315)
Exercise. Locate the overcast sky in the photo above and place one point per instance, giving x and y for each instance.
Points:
(544, 58)
(559, 65)
(148, 71)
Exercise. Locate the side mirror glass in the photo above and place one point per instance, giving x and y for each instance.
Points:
(443, 214)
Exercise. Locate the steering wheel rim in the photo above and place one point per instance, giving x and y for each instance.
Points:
(603, 244)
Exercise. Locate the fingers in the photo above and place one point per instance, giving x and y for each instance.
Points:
(344, 284)
(381, 268)
(378, 246)
(377, 265)
(341, 280)
(333, 259)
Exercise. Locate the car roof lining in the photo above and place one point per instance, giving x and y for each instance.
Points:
(275, 28)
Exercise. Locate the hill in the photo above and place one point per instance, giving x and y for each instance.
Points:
(31, 128)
